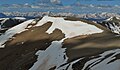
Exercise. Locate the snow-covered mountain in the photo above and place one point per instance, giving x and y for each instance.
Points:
(10, 22)
(59, 43)
(112, 23)
(2, 15)
(6, 23)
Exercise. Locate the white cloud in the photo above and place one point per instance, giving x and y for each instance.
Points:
(55, 1)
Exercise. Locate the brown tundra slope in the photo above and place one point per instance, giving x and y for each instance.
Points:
(54, 43)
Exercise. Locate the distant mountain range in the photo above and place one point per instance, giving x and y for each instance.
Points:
(90, 16)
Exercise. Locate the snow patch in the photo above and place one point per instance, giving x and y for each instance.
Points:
(114, 28)
(97, 64)
(69, 65)
(21, 18)
(52, 56)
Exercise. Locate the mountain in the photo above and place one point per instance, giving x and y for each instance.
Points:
(113, 23)
(2, 15)
(6, 23)
(59, 43)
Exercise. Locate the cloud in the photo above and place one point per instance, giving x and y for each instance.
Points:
(56, 1)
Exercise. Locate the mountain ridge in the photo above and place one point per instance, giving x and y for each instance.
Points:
(31, 47)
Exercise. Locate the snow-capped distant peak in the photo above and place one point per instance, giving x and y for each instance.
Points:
(111, 18)
(113, 23)
(2, 15)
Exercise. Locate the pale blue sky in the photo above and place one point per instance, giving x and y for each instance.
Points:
(65, 2)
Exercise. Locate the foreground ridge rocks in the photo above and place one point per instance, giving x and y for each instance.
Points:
(55, 43)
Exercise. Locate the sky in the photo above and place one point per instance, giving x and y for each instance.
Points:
(65, 2)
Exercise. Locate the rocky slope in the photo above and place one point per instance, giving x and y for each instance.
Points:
(6, 23)
(56, 43)
(113, 24)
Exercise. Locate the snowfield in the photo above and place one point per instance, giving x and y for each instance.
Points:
(48, 58)
(70, 28)
(102, 63)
